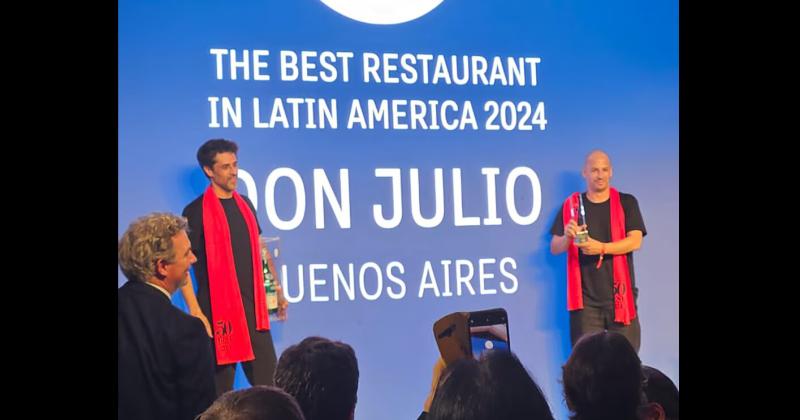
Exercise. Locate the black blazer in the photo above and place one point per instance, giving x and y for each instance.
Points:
(165, 364)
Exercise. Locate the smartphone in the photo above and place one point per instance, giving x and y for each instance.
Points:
(488, 330)
(469, 334)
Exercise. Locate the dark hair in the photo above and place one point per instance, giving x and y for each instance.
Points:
(495, 387)
(209, 150)
(603, 378)
(660, 389)
(256, 403)
(322, 375)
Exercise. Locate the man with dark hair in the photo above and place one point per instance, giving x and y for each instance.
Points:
(599, 230)
(322, 375)
(255, 403)
(164, 359)
(603, 378)
(660, 389)
(230, 286)
(495, 387)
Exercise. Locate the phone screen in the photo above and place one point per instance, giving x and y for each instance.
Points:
(488, 337)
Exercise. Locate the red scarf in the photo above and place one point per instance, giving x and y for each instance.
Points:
(231, 337)
(624, 307)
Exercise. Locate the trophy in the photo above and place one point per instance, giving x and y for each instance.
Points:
(583, 233)
(271, 245)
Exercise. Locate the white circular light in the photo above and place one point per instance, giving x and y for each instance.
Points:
(382, 12)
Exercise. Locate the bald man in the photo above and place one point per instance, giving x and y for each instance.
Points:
(601, 289)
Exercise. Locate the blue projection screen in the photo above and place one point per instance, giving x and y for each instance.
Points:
(411, 156)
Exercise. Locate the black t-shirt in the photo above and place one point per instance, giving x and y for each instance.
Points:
(240, 245)
(598, 284)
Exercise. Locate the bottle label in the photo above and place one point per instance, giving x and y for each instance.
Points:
(272, 302)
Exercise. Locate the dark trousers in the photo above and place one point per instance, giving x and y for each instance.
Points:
(259, 371)
(589, 320)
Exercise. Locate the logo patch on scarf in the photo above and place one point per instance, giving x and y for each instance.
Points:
(222, 335)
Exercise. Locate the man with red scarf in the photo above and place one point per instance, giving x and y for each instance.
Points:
(601, 290)
(230, 286)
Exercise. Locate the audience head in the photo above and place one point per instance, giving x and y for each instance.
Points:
(322, 375)
(495, 387)
(603, 378)
(256, 403)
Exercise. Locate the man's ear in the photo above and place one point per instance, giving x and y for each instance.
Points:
(652, 411)
(161, 268)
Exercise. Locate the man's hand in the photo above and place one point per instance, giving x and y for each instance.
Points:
(591, 247)
(571, 229)
(438, 368)
(283, 304)
(199, 314)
